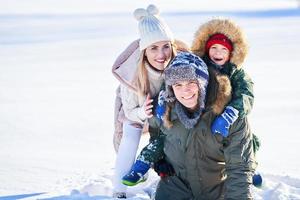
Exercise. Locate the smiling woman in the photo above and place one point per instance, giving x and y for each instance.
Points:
(156, 49)
(159, 55)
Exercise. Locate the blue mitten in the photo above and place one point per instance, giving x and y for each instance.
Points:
(161, 106)
(222, 123)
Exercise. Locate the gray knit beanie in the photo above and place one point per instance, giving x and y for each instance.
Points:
(185, 67)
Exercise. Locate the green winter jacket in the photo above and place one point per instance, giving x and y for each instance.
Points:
(206, 165)
(242, 86)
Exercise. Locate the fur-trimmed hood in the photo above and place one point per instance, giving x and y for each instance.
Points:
(229, 29)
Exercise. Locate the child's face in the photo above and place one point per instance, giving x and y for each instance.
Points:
(187, 93)
(219, 54)
(159, 54)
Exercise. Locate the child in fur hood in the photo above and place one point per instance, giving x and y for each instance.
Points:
(223, 47)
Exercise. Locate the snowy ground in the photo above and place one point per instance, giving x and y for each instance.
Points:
(57, 92)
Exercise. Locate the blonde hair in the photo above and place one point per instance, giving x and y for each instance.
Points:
(141, 81)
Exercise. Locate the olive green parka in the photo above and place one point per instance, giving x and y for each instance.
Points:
(207, 166)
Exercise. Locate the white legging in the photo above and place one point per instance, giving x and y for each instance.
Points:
(126, 154)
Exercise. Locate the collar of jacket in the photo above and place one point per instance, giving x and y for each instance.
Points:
(228, 68)
(174, 116)
(206, 115)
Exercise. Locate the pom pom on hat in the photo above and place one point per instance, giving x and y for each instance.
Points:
(140, 13)
(153, 10)
(151, 27)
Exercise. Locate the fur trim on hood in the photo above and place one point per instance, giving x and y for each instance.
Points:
(230, 30)
(125, 65)
(223, 95)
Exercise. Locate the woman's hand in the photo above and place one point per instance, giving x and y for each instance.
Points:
(148, 106)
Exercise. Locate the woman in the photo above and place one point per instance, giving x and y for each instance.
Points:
(206, 165)
(140, 73)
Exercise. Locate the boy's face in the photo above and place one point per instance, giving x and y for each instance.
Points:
(159, 54)
(219, 54)
(187, 93)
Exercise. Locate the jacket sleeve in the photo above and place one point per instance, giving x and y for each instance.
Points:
(240, 161)
(242, 92)
(131, 105)
(154, 150)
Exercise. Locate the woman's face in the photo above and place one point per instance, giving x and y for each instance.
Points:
(187, 93)
(219, 54)
(159, 54)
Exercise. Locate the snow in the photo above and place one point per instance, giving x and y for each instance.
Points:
(57, 91)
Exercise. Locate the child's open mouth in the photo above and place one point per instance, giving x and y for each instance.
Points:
(218, 59)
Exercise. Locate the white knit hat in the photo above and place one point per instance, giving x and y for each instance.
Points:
(151, 27)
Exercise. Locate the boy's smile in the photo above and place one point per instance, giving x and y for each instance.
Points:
(219, 54)
(187, 93)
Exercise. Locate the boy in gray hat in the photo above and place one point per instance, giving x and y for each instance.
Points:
(205, 165)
